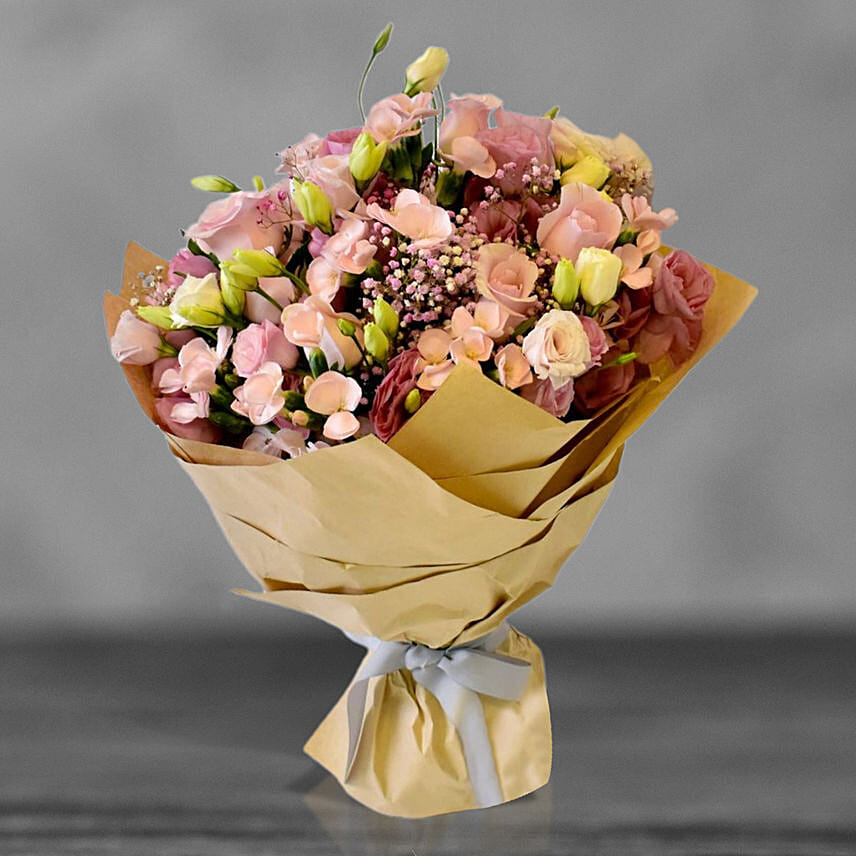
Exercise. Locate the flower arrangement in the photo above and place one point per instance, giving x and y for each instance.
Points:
(403, 376)
(338, 300)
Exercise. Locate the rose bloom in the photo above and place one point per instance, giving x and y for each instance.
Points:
(200, 430)
(682, 286)
(135, 342)
(558, 347)
(190, 265)
(388, 414)
(260, 397)
(233, 223)
(413, 216)
(583, 218)
(262, 343)
(557, 402)
(506, 275)
(601, 387)
(398, 116)
(517, 139)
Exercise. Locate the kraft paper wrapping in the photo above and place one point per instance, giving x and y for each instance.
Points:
(434, 538)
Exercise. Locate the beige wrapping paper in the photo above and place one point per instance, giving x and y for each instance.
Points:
(434, 539)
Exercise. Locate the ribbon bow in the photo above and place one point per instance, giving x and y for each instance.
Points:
(456, 676)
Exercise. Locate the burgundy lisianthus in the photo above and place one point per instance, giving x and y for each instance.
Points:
(682, 286)
(388, 414)
(601, 387)
(634, 307)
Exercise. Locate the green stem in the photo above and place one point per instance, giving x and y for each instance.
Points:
(369, 65)
(268, 297)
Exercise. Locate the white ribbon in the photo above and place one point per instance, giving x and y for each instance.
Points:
(456, 676)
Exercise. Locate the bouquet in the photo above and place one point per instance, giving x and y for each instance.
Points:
(402, 376)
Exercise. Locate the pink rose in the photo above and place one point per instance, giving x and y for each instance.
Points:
(200, 430)
(542, 393)
(134, 341)
(517, 139)
(413, 216)
(260, 397)
(189, 264)
(583, 218)
(669, 335)
(237, 222)
(601, 387)
(682, 286)
(349, 249)
(388, 414)
(398, 116)
(262, 343)
(507, 275)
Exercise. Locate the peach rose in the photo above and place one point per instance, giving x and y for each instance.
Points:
(583, 218)
(413, 216)
(558, 347)
(507, 275)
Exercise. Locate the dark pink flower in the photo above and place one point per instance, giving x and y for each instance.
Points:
(682, 286)
(555, 401)
(339, 142)
(603, 386)
(388, 414)
(667, 335)
(517, 139)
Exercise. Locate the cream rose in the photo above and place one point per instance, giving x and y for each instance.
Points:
(558, 348)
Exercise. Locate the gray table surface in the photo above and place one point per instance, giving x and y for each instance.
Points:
(669, 744)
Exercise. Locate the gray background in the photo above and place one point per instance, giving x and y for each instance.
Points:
(735, 503)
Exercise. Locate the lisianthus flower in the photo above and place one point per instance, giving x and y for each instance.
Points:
(135, 342)
(558, 347)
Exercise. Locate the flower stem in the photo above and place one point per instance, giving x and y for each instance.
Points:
(274, 301)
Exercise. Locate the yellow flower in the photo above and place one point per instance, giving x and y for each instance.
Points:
(598, 271)
(424, 74)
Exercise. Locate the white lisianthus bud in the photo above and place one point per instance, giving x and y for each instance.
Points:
(599, 271)
(198, 303)
(424, 74)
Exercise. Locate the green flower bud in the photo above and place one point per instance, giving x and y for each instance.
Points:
(314, 205)
(214, 184)
(589, 169)
(160, 316)
(346, 328)
(383, 39)
(552, 112)
(377, 344)
(238, 275)
(317, 362)
(385, 317)
(260, 262)
(233, 380)
(566, 283)
(229, 422)
(258, 183)
(413, 401)
(424, 74)
(233, 298)
(599, 271)
(221, 396)
(366, 157)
